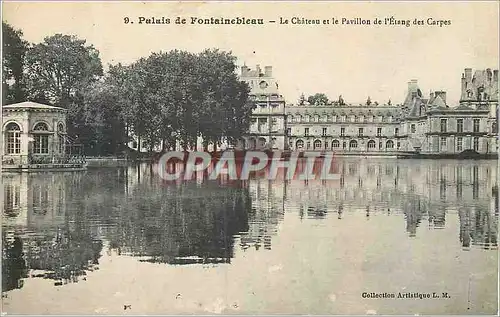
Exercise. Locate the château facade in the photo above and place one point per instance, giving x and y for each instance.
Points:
(418, 125)
(268, 125)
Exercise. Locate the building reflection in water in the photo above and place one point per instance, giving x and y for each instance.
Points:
(55, 225)
(42, 238)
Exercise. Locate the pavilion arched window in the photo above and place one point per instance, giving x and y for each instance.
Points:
(13, 138)
(41, 137)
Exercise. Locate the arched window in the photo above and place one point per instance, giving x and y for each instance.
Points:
(262, 143)
(13, 138)
(298, 118)
(316, 118)
(299, 144)
(41, 126)
(389, 144)
(371, 145)
(317, 144)
(353, 144)
(41, 145)
(335, 144)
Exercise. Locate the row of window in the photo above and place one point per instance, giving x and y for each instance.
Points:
(342, 132)
(459, 144)
(460, 125)
(334, 118)
(317, 145)
(40, 142)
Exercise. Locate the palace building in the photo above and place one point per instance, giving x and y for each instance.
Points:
(418, 125)
(268, 125)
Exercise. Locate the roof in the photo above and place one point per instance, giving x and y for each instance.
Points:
(463, 107)
(30, 105)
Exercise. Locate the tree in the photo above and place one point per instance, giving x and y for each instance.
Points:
(14, 51)
(58, 71)
(318, 99)
(302, 100)
(60, 67)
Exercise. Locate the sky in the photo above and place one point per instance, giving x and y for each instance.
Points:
(355, 61)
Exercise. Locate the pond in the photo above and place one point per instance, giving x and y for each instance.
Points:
(380, 239)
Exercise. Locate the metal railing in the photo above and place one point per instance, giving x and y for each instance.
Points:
(42, 159)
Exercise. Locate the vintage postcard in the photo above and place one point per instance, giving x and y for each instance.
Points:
(239, 158)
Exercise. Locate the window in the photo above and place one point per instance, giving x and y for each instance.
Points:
(41, 145)
(317, 144)
(476, 144)
(316, 118)
(306, 131)
(459, 144)
(460, 125)
(389, 144)
(396, 131)
(324, 132)
(335, 144)
(274, 124)
(288, 131)
(379, 131)
(371, 144)
(289, 118)
(306, 118)
(13, 138)
(353, 144)
(299, 144)
(298, 118)
(412, 128)
(356, 119)
(443, 125)
(399, 145)
(476, 125)
(380, 145)
(360, 132)
(342, 131)
(443, 143)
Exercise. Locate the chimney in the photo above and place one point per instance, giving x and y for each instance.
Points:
(268, 71)
(244, 71)
(468, 74)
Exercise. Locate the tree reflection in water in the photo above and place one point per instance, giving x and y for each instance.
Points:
(183, 224)
(13, 264)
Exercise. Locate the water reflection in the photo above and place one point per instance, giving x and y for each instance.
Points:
(56, 226)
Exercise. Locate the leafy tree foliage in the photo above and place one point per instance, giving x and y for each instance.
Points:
(318, 99)
(14, 50)
(60, 67)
